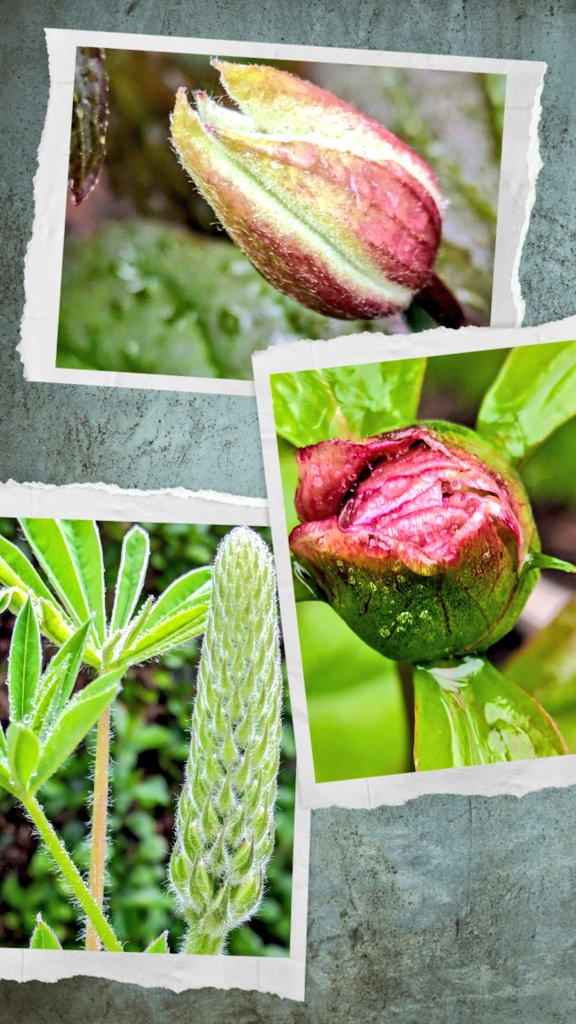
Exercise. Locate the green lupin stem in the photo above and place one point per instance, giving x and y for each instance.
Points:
(225, 817)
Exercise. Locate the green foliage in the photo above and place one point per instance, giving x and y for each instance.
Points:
(46, 723)
(359, 727)
(150, 743)
(347, 402)
(469, 713)
(357, 716)
(70, 553)
(149, 298)
(546, 667)
(533, 395)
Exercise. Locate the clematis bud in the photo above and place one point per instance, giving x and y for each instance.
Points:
(420, 538)
(328, 205)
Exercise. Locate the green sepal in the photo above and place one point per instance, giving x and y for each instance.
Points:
(538, 560)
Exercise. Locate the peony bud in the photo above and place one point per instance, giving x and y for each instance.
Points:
(420, 539)
(328, 205)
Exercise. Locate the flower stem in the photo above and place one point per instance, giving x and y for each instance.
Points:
(441, 304)
(70, 873)
(406, 674)
(99, 822)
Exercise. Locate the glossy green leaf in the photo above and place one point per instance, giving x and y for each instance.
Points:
(159, 945)
(23, 752)
(131, 576)
(81, 713)
(51, 546)
(58, 681)
(185, 592)
(3, 745)
(166, 635)
(83, 539)
(358, 723)
(546, 666)
(24, 663)
(148, 297)
(533, 395)
(43, 937)
(470, 714)
(346, 402)
(6, 597)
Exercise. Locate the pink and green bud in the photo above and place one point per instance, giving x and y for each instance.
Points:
(420, 538)
(328, 205)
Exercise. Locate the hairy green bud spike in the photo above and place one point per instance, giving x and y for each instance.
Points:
(225, 817)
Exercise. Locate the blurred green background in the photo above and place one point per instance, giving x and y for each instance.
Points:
(150, 282)
(358, 721)
(151, 721)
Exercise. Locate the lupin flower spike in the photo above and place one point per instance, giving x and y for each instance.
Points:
(330, 206)
(225, 817)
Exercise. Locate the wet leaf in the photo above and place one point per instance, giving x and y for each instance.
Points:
(546, 666)
(470, 714)
(149, 298)
(347, 402)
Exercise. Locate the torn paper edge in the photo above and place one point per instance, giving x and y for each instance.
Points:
(516, 778)
(170, 505)
(282, 976)
(520, 163)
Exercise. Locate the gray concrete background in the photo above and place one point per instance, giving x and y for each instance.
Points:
(445, 911)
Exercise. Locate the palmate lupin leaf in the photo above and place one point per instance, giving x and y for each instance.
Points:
(70, 554)
(225, 818)
(47, 723)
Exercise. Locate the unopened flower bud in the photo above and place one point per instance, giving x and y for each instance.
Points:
(328, 205)
(420, 539)
(225, 819)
